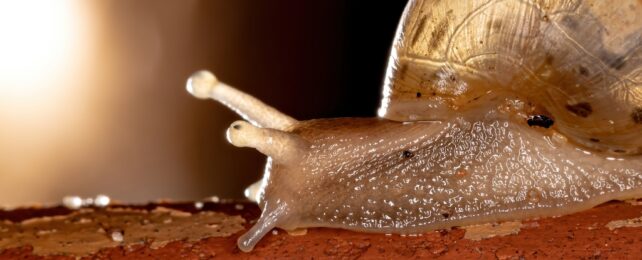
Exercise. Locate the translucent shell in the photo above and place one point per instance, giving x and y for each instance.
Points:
(578, 62)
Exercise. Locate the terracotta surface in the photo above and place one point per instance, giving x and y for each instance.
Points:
(582, 235)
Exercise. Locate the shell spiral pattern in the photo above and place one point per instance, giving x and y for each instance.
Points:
(578, 62)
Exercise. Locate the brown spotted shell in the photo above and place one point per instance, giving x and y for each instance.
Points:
(578, 62)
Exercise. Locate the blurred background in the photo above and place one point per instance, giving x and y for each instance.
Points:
(93, 100)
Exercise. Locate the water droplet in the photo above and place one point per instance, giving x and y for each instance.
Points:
(239, 207)
(101, 201)
(214, 199)
(72, 202)
(198, 205)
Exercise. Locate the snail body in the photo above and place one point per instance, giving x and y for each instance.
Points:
(468, 132)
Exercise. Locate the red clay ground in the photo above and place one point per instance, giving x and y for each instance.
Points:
(578, 236)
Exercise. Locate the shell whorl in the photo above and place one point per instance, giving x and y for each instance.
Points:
(578, 62)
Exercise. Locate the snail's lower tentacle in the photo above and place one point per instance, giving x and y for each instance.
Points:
(269, 219)
(203, 84)
(281, 146)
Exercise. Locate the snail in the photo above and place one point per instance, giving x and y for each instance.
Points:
(491, 111)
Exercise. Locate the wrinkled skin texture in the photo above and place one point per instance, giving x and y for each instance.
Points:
(383, 176)
(491, 111)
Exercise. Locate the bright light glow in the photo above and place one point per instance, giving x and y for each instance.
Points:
(37, 38)
(43, 45)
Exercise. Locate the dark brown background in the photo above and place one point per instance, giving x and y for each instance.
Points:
(132, 131)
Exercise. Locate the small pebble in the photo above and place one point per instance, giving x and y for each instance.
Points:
(198, 205)
(238, 207)
(275, 232)
(214, 199)
(84, 221)
(117, 236)
(213, 225)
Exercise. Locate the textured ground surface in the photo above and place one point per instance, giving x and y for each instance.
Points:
(584, 235)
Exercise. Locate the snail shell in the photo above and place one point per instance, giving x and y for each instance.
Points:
(578, 62)
(492, 111)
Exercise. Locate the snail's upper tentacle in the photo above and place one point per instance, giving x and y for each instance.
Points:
(203, 84)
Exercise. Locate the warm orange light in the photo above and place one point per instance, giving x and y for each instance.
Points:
(37, 40)
(42, 47)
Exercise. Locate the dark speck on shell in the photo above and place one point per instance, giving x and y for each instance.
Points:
(540, 120)
(637, 115)
(617, 63)
(582, 109)
(583, 71)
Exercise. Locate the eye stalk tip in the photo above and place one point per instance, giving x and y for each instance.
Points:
(241, 133)
(201, 84)
(279, 145)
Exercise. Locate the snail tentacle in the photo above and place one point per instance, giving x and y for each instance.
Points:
(281, 146)
(269, 219)
(203, 84)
